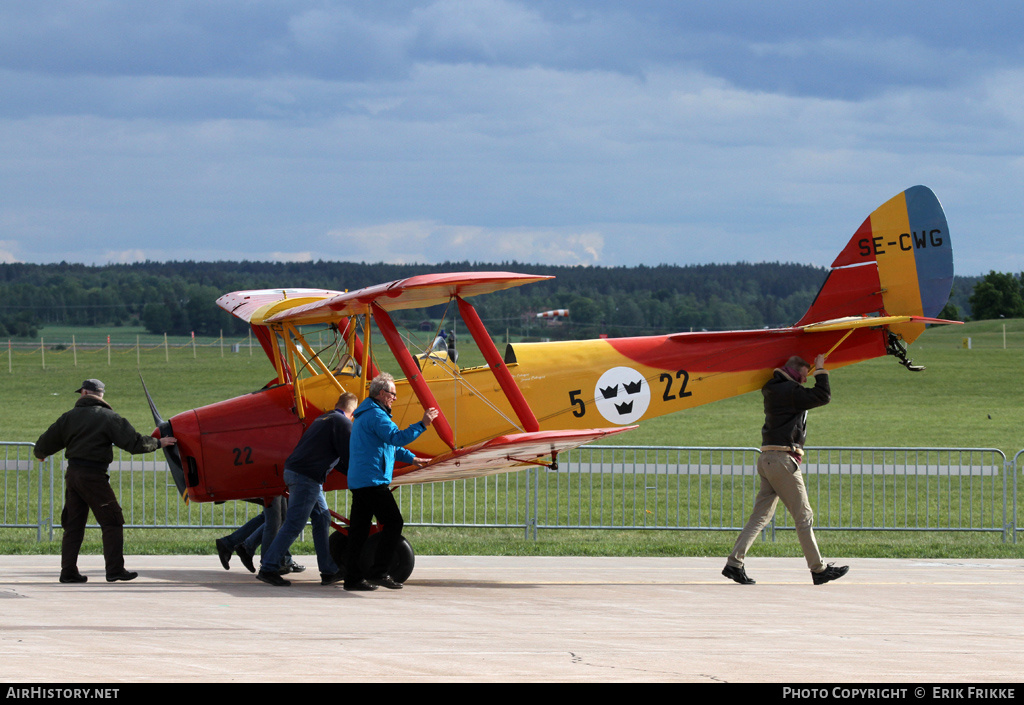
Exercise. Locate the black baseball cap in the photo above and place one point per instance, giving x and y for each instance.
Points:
(92, 385)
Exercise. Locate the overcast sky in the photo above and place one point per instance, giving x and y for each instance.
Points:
(552, 131)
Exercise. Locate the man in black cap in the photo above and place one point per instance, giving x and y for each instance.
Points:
(86, 434)
(786, 403)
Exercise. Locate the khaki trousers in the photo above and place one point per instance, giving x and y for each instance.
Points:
(780, 479)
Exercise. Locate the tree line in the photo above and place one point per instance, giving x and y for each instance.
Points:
(178, 298)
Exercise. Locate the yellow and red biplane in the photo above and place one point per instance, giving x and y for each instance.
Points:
(536, 400)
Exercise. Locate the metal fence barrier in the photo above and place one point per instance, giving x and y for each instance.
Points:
(891, 489)
(28, 490)
(1016, 467)
(600, 487)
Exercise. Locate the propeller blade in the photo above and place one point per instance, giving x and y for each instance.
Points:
(170, 452)
(152, 407)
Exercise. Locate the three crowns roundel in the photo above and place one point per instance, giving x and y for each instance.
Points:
(622, 395)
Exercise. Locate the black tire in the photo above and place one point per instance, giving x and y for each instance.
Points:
(402, 563)
(337, 545)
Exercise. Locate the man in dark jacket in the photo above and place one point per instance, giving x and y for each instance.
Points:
(323, 447)
(786, 402)
(86, 434)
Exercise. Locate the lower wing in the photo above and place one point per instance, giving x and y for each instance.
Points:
(502, 454)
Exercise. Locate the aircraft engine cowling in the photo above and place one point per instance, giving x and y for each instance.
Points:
(236, 449)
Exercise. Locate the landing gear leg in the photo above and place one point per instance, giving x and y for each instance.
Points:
(895, 348)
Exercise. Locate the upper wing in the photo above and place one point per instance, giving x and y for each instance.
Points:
(256, 305)
(501, 454)
(414, 292)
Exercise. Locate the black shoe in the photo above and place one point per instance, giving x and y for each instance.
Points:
(75, 577)
(292, 568)
(246, 557)
(385, 581)
(224, 551)
(737, 574)
(123, 575)
(332, 578)
(272, 578)
(361, 586)
(830, 573)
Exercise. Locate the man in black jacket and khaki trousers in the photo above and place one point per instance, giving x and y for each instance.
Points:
(786, 402)
(86, 433)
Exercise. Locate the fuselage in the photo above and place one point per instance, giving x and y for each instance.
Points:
(237, 448)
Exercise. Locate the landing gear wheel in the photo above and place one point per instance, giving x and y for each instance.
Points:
(337, 544)
(402, 563)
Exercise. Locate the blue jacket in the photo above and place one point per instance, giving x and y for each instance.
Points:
(375, 445)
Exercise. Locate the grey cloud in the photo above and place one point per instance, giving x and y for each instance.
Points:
(714, 130)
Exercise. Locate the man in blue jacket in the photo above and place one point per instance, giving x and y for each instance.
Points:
(375, 445)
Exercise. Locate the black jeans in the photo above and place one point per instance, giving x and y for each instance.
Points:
(85, 490)
(367, 502)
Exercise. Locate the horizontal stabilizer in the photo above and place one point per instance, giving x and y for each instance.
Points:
(502, 454)
(869, 322)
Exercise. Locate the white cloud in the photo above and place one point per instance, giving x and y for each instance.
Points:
(123, 257)
(7, 252)
(479, 30)
(430, 242)
(290, 256)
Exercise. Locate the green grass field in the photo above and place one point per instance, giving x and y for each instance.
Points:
(966, 398)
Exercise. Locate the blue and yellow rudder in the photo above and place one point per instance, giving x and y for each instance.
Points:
(899, 262)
